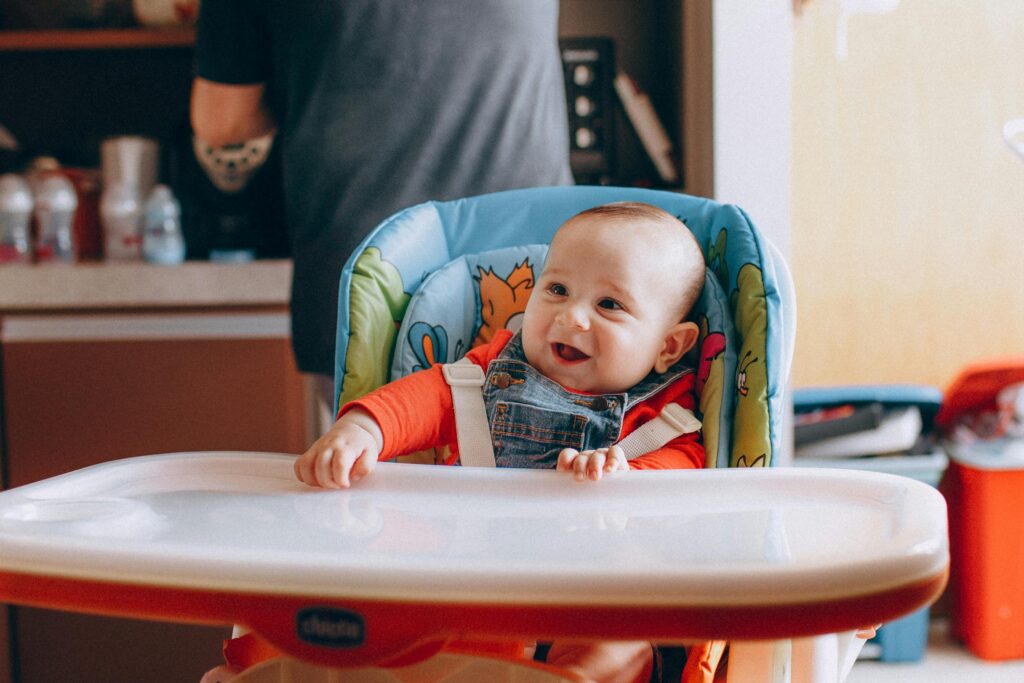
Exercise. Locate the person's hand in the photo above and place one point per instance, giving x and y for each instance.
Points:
(591, 464)
(344, 455)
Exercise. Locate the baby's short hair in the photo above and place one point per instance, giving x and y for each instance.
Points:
(629, 210)
(692, 268)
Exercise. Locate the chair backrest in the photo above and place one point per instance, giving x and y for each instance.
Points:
(434, 278)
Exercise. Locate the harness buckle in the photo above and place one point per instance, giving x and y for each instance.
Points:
(680, 418)
(461, 374)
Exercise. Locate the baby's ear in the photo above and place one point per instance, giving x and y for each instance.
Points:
(679, 339)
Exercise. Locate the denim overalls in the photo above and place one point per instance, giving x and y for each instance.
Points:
(532, 418)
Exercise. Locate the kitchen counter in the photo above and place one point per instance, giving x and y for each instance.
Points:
(143, 285)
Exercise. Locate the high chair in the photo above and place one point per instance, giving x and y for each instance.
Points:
(425, 573)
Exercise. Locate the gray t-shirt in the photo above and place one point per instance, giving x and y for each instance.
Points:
(383, 104)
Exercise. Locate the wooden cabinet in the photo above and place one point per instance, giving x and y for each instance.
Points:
(106, 362)
(82, 389)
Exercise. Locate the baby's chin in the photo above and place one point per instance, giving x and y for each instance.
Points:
(585, 382)
(596, 384)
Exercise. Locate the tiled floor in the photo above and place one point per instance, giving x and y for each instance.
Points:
(944, 662)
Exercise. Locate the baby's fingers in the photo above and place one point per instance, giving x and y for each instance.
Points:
(326, 467)
(362, 466)
(616, 460)
(595, 464)
(579, 465)
(348, 467)
(591, 464)
(566, 458)
(339, 471)
(305, 467)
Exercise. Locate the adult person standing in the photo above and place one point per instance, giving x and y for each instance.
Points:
(379, 105)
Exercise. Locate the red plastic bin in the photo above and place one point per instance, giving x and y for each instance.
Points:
(986, 538)
(984, 489)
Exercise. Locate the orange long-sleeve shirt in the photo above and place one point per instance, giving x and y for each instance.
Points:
(415, 413)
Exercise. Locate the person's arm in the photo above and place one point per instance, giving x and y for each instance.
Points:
(234, 43)
(223, 114)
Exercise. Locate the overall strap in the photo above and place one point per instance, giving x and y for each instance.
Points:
(466, 380)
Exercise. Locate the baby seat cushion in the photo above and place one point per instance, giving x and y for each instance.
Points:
(438, 278)
(463, 303)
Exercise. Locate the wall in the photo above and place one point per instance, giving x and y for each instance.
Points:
(752, 74)
(908, 208)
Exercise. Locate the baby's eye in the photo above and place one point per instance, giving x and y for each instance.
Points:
(610, 304)
(557, 289)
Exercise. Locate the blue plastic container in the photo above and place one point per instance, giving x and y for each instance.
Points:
(903, 640)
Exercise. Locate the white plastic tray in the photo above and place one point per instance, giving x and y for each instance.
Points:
(232, 537)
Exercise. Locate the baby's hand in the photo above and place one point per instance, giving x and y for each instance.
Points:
(344, 455)
(592, 464)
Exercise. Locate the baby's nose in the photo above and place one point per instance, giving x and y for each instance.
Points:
(575, 317)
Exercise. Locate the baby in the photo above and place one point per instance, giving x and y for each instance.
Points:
(597, 357)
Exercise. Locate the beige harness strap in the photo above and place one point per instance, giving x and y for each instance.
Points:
(672, 421)
(466, 380)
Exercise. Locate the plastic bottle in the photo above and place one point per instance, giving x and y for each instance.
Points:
(56, 202)
(121, 217)
(16, 206)
(162, 241)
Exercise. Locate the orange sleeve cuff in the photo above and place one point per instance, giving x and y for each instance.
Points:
(671, 457)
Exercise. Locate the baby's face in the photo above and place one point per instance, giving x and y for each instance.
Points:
(598, 316)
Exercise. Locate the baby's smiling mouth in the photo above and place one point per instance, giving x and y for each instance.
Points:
(568, 353)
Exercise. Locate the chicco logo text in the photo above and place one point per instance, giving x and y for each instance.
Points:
(330, 627)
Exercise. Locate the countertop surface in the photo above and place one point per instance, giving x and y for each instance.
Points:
(143, 285)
